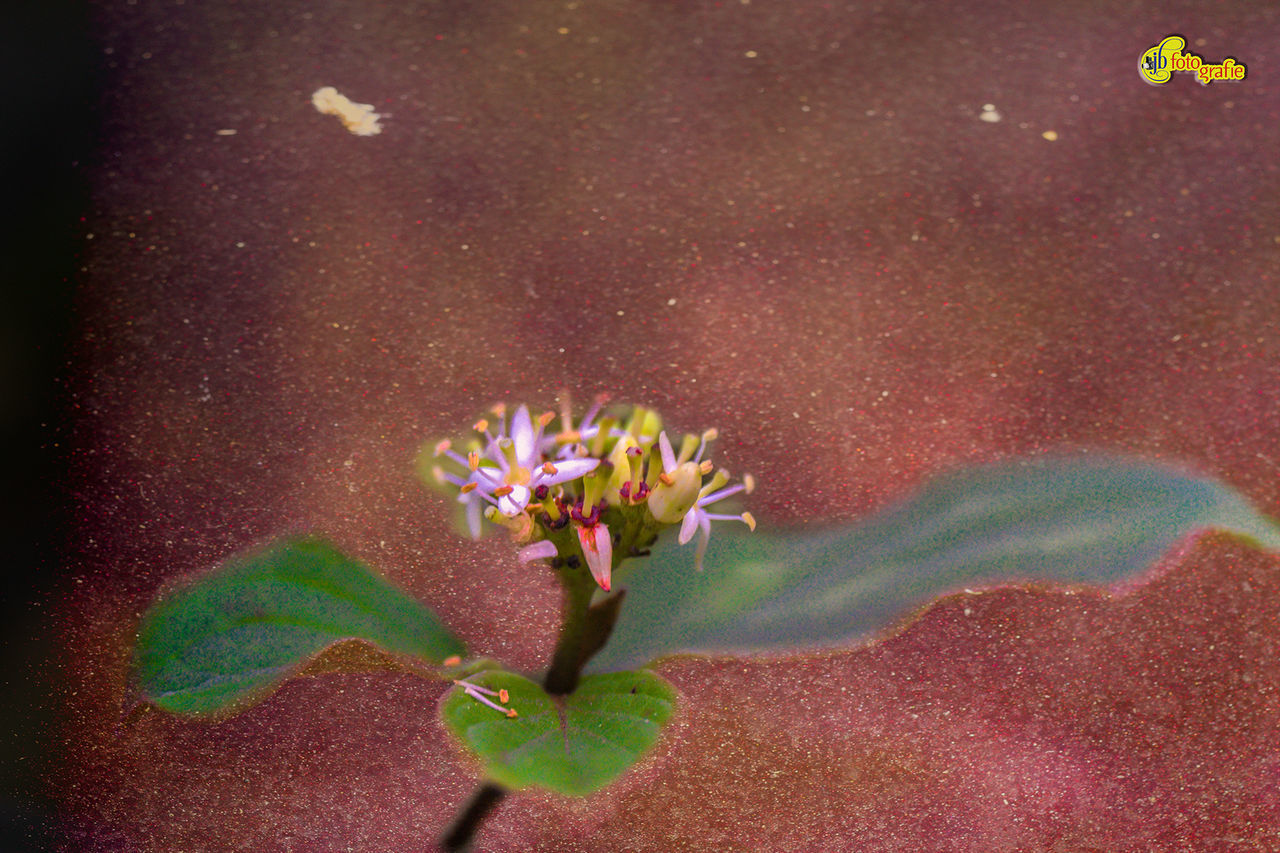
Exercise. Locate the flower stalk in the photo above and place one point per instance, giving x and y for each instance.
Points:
(580, 498)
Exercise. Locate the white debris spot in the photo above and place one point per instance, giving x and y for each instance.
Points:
(226, 131)
(360, 119)
(989, 113)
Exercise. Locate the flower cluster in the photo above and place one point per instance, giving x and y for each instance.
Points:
(594, 492)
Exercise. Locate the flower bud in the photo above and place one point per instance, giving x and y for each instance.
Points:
(676, 493)
(645, 424)
(621, 460)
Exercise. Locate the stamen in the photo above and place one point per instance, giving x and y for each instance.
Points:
(706, 496)
(707, 437)
(481, 425)
(503, 491)
(549, 469)
(452, 660)
(750, 521)
(443, 446)
(566, 410)
(546, 418)
(666, 478)
(468, 487)
(467, 685)
(569, 436)
(749, 483)
(473, 460)
(478, 693)
(503, 696)
(706, 467)
(442, 476)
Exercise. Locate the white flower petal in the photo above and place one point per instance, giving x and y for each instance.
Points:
(514, 502)
(569, 469)
(522, 435)
(487, 479)
(668, 455)
(689, 525)
(702, 545)
(537, 551)
(473, 516)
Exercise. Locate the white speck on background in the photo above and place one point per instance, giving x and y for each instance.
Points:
(360, 119)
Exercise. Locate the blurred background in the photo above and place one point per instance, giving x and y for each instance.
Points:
(48, 59)
(868, 242)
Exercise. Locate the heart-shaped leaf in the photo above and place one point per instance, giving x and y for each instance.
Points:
(230, 637)
(574, 744)
(1078, 520)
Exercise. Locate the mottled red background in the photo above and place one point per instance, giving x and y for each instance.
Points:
(782, 219)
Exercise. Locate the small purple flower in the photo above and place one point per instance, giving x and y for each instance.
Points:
(699, 519)
(473, 490)
(522, 467)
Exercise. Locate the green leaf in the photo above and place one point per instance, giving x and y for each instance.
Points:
(232, 636)
(573, 744)
(1076, 520)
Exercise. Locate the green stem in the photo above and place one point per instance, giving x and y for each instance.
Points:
(485, 799)
(575, 635)
(584, 632)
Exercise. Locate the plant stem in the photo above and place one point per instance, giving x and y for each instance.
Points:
(483, 801)
(569, 657)
(583, 633)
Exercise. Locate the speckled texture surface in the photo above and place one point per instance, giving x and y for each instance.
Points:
(786, 220)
